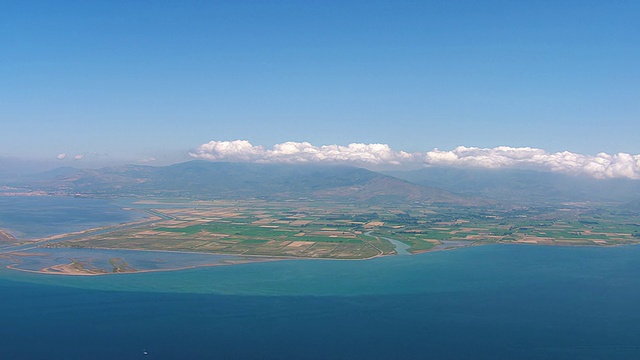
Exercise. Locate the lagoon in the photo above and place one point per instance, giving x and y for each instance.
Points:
(483, 302)
(489, 302)
(29, 217)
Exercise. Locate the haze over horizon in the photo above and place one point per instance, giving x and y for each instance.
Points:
(552, 86)
(374, 157)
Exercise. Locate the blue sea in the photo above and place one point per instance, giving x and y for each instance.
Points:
(490, 302)
(485, 302)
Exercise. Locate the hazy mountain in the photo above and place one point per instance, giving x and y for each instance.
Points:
(524, 186)
(12, 169)
(203, 179)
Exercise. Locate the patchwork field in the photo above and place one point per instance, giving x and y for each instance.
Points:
(310, 229)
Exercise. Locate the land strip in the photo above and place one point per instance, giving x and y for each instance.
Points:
(309, 229)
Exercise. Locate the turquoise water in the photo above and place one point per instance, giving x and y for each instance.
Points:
(485, 302)
(489, 302)
(42, 258)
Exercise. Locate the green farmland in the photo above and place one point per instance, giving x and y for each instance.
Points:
(308, 229)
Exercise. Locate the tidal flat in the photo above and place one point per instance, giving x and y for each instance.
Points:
(500, 301)
(130, 235)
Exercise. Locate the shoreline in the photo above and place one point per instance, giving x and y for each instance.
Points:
(67, 270)
(276, 257)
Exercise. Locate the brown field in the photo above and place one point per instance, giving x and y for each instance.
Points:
(343, 231)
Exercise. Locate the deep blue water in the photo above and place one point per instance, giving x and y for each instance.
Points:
(489, 302)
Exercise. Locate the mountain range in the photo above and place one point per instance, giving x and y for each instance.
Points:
(524, 186)
(223, 180)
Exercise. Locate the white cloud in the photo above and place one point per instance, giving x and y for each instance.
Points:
(237, 150)
(78, 157)
(302, 152)
(61, 156)
(147, 160)
(601, 166)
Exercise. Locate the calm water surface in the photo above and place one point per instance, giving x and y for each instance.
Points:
(489, 302)
(39, 216)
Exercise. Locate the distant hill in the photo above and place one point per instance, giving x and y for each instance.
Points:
(212, 180)
(632, 206)
(12, 169)
(524, 186)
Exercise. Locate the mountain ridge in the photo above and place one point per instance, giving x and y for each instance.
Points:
(524, 186)
(205, 179)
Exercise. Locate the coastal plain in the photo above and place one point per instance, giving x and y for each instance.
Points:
(238, 231)
(332, 230)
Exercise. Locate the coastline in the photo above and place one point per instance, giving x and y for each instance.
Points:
(71, 270)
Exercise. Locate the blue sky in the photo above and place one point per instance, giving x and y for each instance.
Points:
(132, 80)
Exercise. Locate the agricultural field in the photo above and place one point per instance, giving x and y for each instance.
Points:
(308, 229)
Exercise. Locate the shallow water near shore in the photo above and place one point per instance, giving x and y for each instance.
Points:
(28, 217)
(481, 302)
(499, 301)
(112, 261)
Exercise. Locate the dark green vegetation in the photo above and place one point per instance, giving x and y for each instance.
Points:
(345, 212)
(256, 227)
(348, 231)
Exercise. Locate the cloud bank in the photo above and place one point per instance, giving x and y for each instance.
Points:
(301, 152)
(602, 165)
